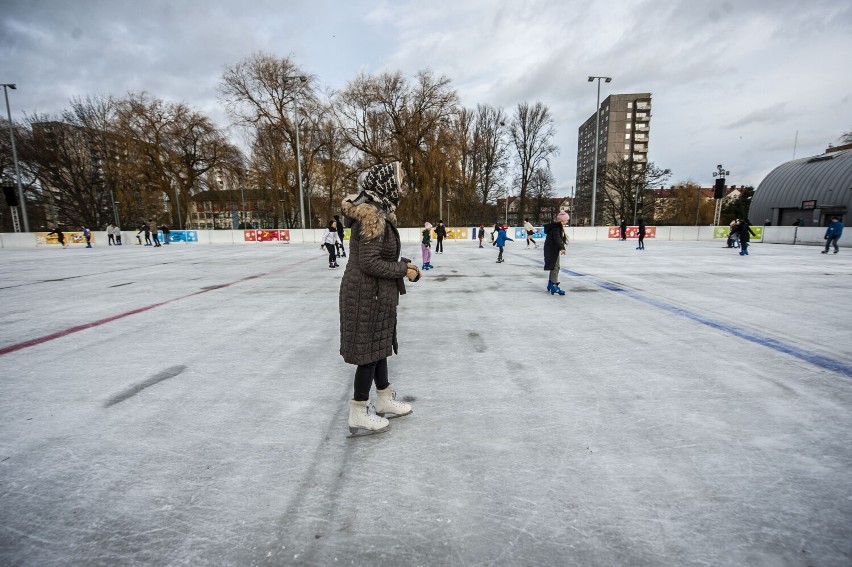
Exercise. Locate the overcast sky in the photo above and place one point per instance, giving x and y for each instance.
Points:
(733, 82)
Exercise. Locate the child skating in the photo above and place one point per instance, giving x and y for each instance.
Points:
(500, 242)
(330, 240)
(426, 246)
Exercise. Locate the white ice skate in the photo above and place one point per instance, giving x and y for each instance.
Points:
(388, 406)
(364, 421)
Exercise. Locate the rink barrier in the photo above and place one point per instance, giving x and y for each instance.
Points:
(808, 236)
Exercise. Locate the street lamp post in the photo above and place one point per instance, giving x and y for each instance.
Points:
(719, 191)
(303, 79)
(6, 87)
(448, 211)
(597, 142)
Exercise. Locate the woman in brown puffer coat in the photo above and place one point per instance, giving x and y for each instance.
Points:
(369, 294)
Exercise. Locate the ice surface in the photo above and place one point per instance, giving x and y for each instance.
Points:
(679, 406)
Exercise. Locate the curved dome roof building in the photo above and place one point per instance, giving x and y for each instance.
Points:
(812, 189)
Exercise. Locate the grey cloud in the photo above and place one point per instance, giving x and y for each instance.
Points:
(767, 115)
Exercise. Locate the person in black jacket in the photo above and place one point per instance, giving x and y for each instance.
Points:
(641, 234)
(341, 249)
(745, 233)
(441, 233)
(555, 244)
(60, 237)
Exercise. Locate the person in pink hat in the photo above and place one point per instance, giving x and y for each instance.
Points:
(426, 246)
(555, 245)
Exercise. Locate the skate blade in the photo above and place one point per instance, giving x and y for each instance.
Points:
(361, 432)
(388, 415)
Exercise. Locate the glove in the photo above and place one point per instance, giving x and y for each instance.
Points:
(413, 273)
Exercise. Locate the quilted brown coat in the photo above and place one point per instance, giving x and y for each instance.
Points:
(371, 285)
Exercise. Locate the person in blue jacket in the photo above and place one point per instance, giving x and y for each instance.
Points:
(501, 241)
(832, 235)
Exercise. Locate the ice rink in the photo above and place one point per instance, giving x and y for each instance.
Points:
(188, 406)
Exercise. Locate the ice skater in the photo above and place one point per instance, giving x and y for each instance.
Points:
(481, 235)
(622, 229)
(500, 242)
(375, 270)
(110, 234)
(745, 233)
(166, 234)
(555, 245)
(155, 235)
(60, 237)
(147, 230)
(426, 246)
(641, 234)
(440, 235)
(832, 234)
(734, 234)
(330, 240)
(87, 234)
(339, 247)
(530, 230)
(731, 231)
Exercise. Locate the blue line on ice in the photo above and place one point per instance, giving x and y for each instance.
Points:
(774, 344)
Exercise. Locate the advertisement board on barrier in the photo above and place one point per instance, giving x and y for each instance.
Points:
(70, 238)
(179, 236)
(522, 234)
(632, 232)
(267, 235)
(452, 233)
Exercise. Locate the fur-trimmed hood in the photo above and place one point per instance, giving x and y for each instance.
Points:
(369, 216)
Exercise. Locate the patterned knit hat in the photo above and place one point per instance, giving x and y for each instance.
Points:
(427, 225)
(562, 216)
(380, 184)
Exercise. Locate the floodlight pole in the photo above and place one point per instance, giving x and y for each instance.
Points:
(597, 142)
(23, 203)
(721, 173)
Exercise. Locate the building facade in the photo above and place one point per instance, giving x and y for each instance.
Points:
(625, 125)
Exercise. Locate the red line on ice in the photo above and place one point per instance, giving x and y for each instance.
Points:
(99, 322)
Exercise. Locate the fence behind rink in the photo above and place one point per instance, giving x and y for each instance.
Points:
(810, 236)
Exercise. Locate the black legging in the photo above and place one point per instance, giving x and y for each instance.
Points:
(439, 247)
(365, 375)
(332, 257)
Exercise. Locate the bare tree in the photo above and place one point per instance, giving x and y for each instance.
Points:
(174, 148)
(272, 98)
(74, 157)
(387, 118)
(541, 193)
(627, 190)
(846, 138)
(531, 132)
